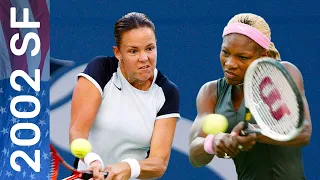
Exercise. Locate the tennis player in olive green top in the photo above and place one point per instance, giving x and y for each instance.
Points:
(257, 157)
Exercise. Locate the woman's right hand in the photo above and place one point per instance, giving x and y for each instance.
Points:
(245, 142)
(225, 145)
(96, 169)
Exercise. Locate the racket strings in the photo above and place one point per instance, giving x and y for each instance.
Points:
(257, 97)
(54, 166)
(277, 107)
(290, 100)
(276, 104)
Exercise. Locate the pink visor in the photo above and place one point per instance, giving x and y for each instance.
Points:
(248, 31)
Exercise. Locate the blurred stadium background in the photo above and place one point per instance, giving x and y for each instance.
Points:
(189, 40)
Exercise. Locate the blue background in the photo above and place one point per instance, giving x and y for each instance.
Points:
(189, 40)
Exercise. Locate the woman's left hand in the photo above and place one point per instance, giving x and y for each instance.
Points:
(118, 171)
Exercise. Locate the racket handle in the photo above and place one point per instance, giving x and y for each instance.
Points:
(88, 174)
(246, 122)
(247, 119)
(249, 131)
(243, 133)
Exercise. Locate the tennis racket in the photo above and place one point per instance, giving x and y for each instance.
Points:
(56, 159)
(273, 98)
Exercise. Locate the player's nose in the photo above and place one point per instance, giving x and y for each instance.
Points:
(230, 63)
(143, 57)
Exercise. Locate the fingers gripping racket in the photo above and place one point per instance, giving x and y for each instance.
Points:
(56, 159)
(273, 98)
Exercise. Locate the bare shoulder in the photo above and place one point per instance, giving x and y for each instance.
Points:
(295, 74)
(206, 101)
(207, 97)
(208, 90)
(289, 66)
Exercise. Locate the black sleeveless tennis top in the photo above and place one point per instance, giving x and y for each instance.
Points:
(263, 161)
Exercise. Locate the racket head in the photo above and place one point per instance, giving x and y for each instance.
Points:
(54, 164)
(279, 114)
(56, 159)
(54, 169)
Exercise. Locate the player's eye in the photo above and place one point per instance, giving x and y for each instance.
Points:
(150, 48)
(132, 51)
(243, 58)
(224, 52)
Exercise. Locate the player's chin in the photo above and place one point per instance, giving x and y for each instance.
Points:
(144, 77)
(233, 81)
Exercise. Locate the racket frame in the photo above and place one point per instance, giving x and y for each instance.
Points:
(264, 129)
(76, 173)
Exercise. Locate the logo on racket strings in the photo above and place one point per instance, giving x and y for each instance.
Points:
(272, 98)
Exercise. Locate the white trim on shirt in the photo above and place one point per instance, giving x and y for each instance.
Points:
(94, 82)
(177, 115)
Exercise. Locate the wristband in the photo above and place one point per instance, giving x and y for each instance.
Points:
(90, 157)
(134, 166)
(208, 144)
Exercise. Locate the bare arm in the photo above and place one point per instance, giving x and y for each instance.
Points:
(86, 100)
(206, 101)
(304, 137)
(156, 164)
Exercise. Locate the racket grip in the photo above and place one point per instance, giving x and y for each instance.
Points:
(86, 175)
(246, 122)
(249, 131)
(247, 119)
(243, 132)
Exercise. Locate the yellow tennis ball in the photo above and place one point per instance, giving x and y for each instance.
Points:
(214, 124)
(80, 147)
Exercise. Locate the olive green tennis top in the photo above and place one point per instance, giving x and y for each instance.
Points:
(263, 161)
